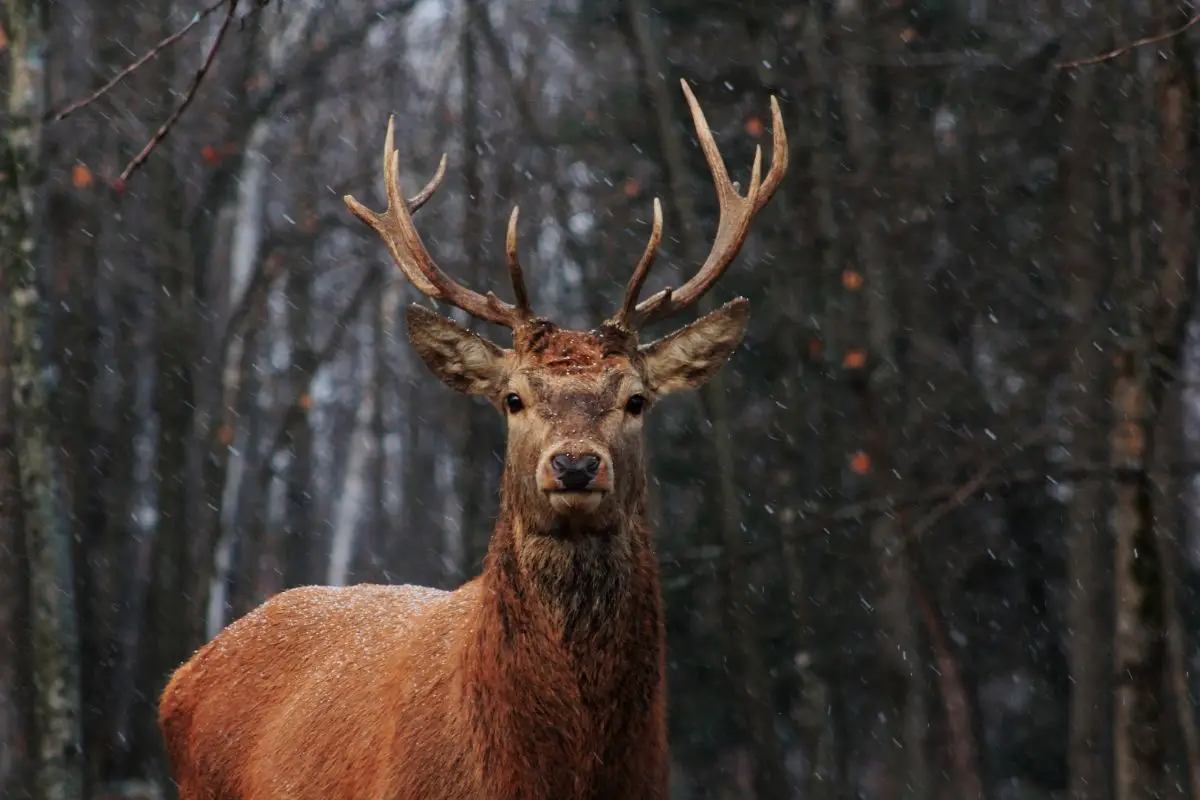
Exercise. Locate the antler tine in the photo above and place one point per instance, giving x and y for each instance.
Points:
(514, 264)
(736, 212)
(395, 227)
(779, 157)
(623, 317)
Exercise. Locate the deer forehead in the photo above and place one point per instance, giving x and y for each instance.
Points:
(559, 362)
(586, 394)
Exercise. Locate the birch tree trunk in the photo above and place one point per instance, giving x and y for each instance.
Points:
(55, 637)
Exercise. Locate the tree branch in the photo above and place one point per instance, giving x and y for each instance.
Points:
(1120, 51)
(952, 496)
(346, 39)
(964, 492)
(165, 128)
(199, 17)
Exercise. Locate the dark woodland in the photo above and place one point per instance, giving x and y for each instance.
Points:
(934, 531)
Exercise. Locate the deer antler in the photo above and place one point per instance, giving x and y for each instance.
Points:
(395, 226)
(736, 213)
(624, 317)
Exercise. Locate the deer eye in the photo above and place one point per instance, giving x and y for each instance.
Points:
(635, 405)
(512, 401)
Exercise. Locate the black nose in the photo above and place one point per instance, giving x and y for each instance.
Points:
(575, 473)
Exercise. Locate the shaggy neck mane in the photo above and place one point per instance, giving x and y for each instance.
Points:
(564, 663)
(574, 578)
(578, 588)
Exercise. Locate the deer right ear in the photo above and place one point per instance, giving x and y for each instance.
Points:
(462, 360)
(692, 355)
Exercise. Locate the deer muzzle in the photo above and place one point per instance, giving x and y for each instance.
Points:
(576, 476)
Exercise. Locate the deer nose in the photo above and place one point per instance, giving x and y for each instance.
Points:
(575, 472)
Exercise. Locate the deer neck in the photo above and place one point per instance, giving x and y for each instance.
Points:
(565, 656)
(572, 580)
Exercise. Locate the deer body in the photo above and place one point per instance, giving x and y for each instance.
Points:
(493, 701)
(543, 678)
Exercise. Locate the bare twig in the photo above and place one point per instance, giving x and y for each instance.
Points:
(988, 479)
(1120, 51)
(968, 490)
(165, 128)
(199, 17)
(814, 521)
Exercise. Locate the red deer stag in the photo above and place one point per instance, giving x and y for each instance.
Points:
(543, 678)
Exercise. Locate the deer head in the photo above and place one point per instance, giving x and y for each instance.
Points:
(575, 401)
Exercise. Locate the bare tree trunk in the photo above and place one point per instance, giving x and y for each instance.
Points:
(55, 635)
(1147, 371)
(751, 671)
(1138, 743)
(235, 554)
(1169, 525)
(967, 781)
(353, 496)
(1087, 548)
(827, 401)
(472, 539)
(16, 683)
(900, 651)
(365, 556)
(304, 557)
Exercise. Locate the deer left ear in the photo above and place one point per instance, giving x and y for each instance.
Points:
(465, 362)
(691, 356)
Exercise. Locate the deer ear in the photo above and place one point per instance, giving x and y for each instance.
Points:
(462, 360)
(690, 356)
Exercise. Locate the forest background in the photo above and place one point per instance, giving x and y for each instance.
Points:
(934, 534)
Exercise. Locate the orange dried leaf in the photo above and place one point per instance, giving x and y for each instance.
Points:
(210, 154)
(854, 359)
(815, 346)
(909, 35)
(81, 176)
(632, 188)
(754, 127)
(305, 402)
(860, 462)
(1129, 440)
(225, 435)
(852, 280)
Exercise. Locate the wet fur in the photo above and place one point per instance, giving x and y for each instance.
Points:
(542, 679)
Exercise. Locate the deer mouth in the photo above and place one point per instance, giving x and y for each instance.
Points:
(575, 501)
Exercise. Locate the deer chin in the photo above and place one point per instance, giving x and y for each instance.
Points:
(568, 503)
